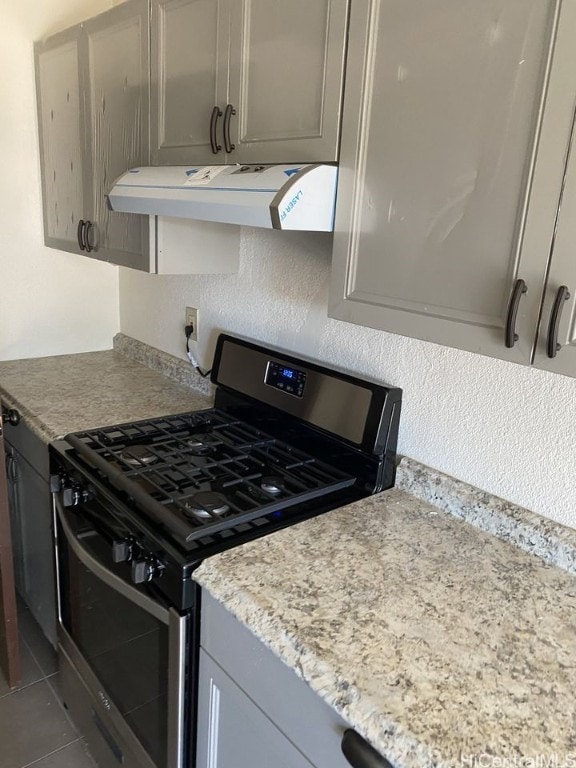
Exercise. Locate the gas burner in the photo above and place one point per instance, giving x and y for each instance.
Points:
(272, 484)
(206, 504)
(202, 443)
(138, 455)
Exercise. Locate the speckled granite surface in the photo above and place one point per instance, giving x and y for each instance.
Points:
(168, 365)
(66, 393)
(554, 543)
(439, 643)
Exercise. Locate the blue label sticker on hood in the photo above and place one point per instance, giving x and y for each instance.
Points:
(292, 171)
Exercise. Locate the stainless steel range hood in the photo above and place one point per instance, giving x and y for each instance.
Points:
(291, 197)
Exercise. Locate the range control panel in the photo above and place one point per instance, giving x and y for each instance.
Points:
(285, 378)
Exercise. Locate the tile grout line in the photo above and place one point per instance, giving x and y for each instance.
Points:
(56, 694)
(27, 685)
(53, 691)
(30, 650)
(49, 754)
(60, 703)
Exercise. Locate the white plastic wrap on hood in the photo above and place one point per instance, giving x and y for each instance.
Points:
(295, 197)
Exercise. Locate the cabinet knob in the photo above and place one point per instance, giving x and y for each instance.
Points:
(359, 753)
(10, 416)
(552, 346)
(216, 113)
(511, 336)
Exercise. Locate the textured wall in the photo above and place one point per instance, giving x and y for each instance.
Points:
(502, 427)
(51, 302)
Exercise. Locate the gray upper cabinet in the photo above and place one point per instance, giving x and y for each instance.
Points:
(92, 89)
(251, 81)
(455, 131)
(60, 116)
(556, 344)
(286, 77)
(116, 76)
(189, 76)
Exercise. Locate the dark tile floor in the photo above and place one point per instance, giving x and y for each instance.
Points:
(35, 729)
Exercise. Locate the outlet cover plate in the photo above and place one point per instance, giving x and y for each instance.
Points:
(192, 319)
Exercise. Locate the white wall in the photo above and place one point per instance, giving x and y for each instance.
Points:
(505, 428)
(50, 302)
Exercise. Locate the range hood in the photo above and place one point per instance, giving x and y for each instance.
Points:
(294, 197)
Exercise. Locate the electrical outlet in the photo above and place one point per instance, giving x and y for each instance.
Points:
(192, 319)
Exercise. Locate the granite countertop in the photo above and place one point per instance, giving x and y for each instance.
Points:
(67, 393)
(440, 643)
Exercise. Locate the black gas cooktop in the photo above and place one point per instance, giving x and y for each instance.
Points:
(203, 472)
(287, 439)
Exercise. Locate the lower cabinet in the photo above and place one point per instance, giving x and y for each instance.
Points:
(235, 733)
(31, 525)
(253, 711)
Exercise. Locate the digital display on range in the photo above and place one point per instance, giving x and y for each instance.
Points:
(289, 380)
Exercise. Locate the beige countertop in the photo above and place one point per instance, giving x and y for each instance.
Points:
(440, 643)
(67, 393)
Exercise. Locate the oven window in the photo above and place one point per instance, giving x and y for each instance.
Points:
(125, 646)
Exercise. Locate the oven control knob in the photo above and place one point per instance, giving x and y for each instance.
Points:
(74, 495)
(122, 550)
(145, 569)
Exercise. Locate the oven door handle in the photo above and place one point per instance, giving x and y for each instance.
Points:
(108, 577)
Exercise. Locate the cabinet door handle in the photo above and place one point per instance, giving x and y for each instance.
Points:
(511, 337)
(552, 346)
(87, 244)
(11, 469)
(216, 113)
(228, 146)
(359, 753)
(80, 233)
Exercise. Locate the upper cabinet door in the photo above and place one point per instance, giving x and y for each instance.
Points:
(556, 340)
(556, 347)
(436, 221)
(286, 76)
(61, 129)
(189, 73)
(116, 87)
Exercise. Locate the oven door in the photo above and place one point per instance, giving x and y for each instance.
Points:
(123, 651)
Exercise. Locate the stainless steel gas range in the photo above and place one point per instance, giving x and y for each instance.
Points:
(138, 506)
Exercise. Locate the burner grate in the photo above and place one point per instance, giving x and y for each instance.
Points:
(206, 453)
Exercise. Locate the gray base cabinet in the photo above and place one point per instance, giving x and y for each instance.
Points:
(31, 524)
(235, 732)
(456, 128)
(253, 711)
(256, 81)
(92, 92)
